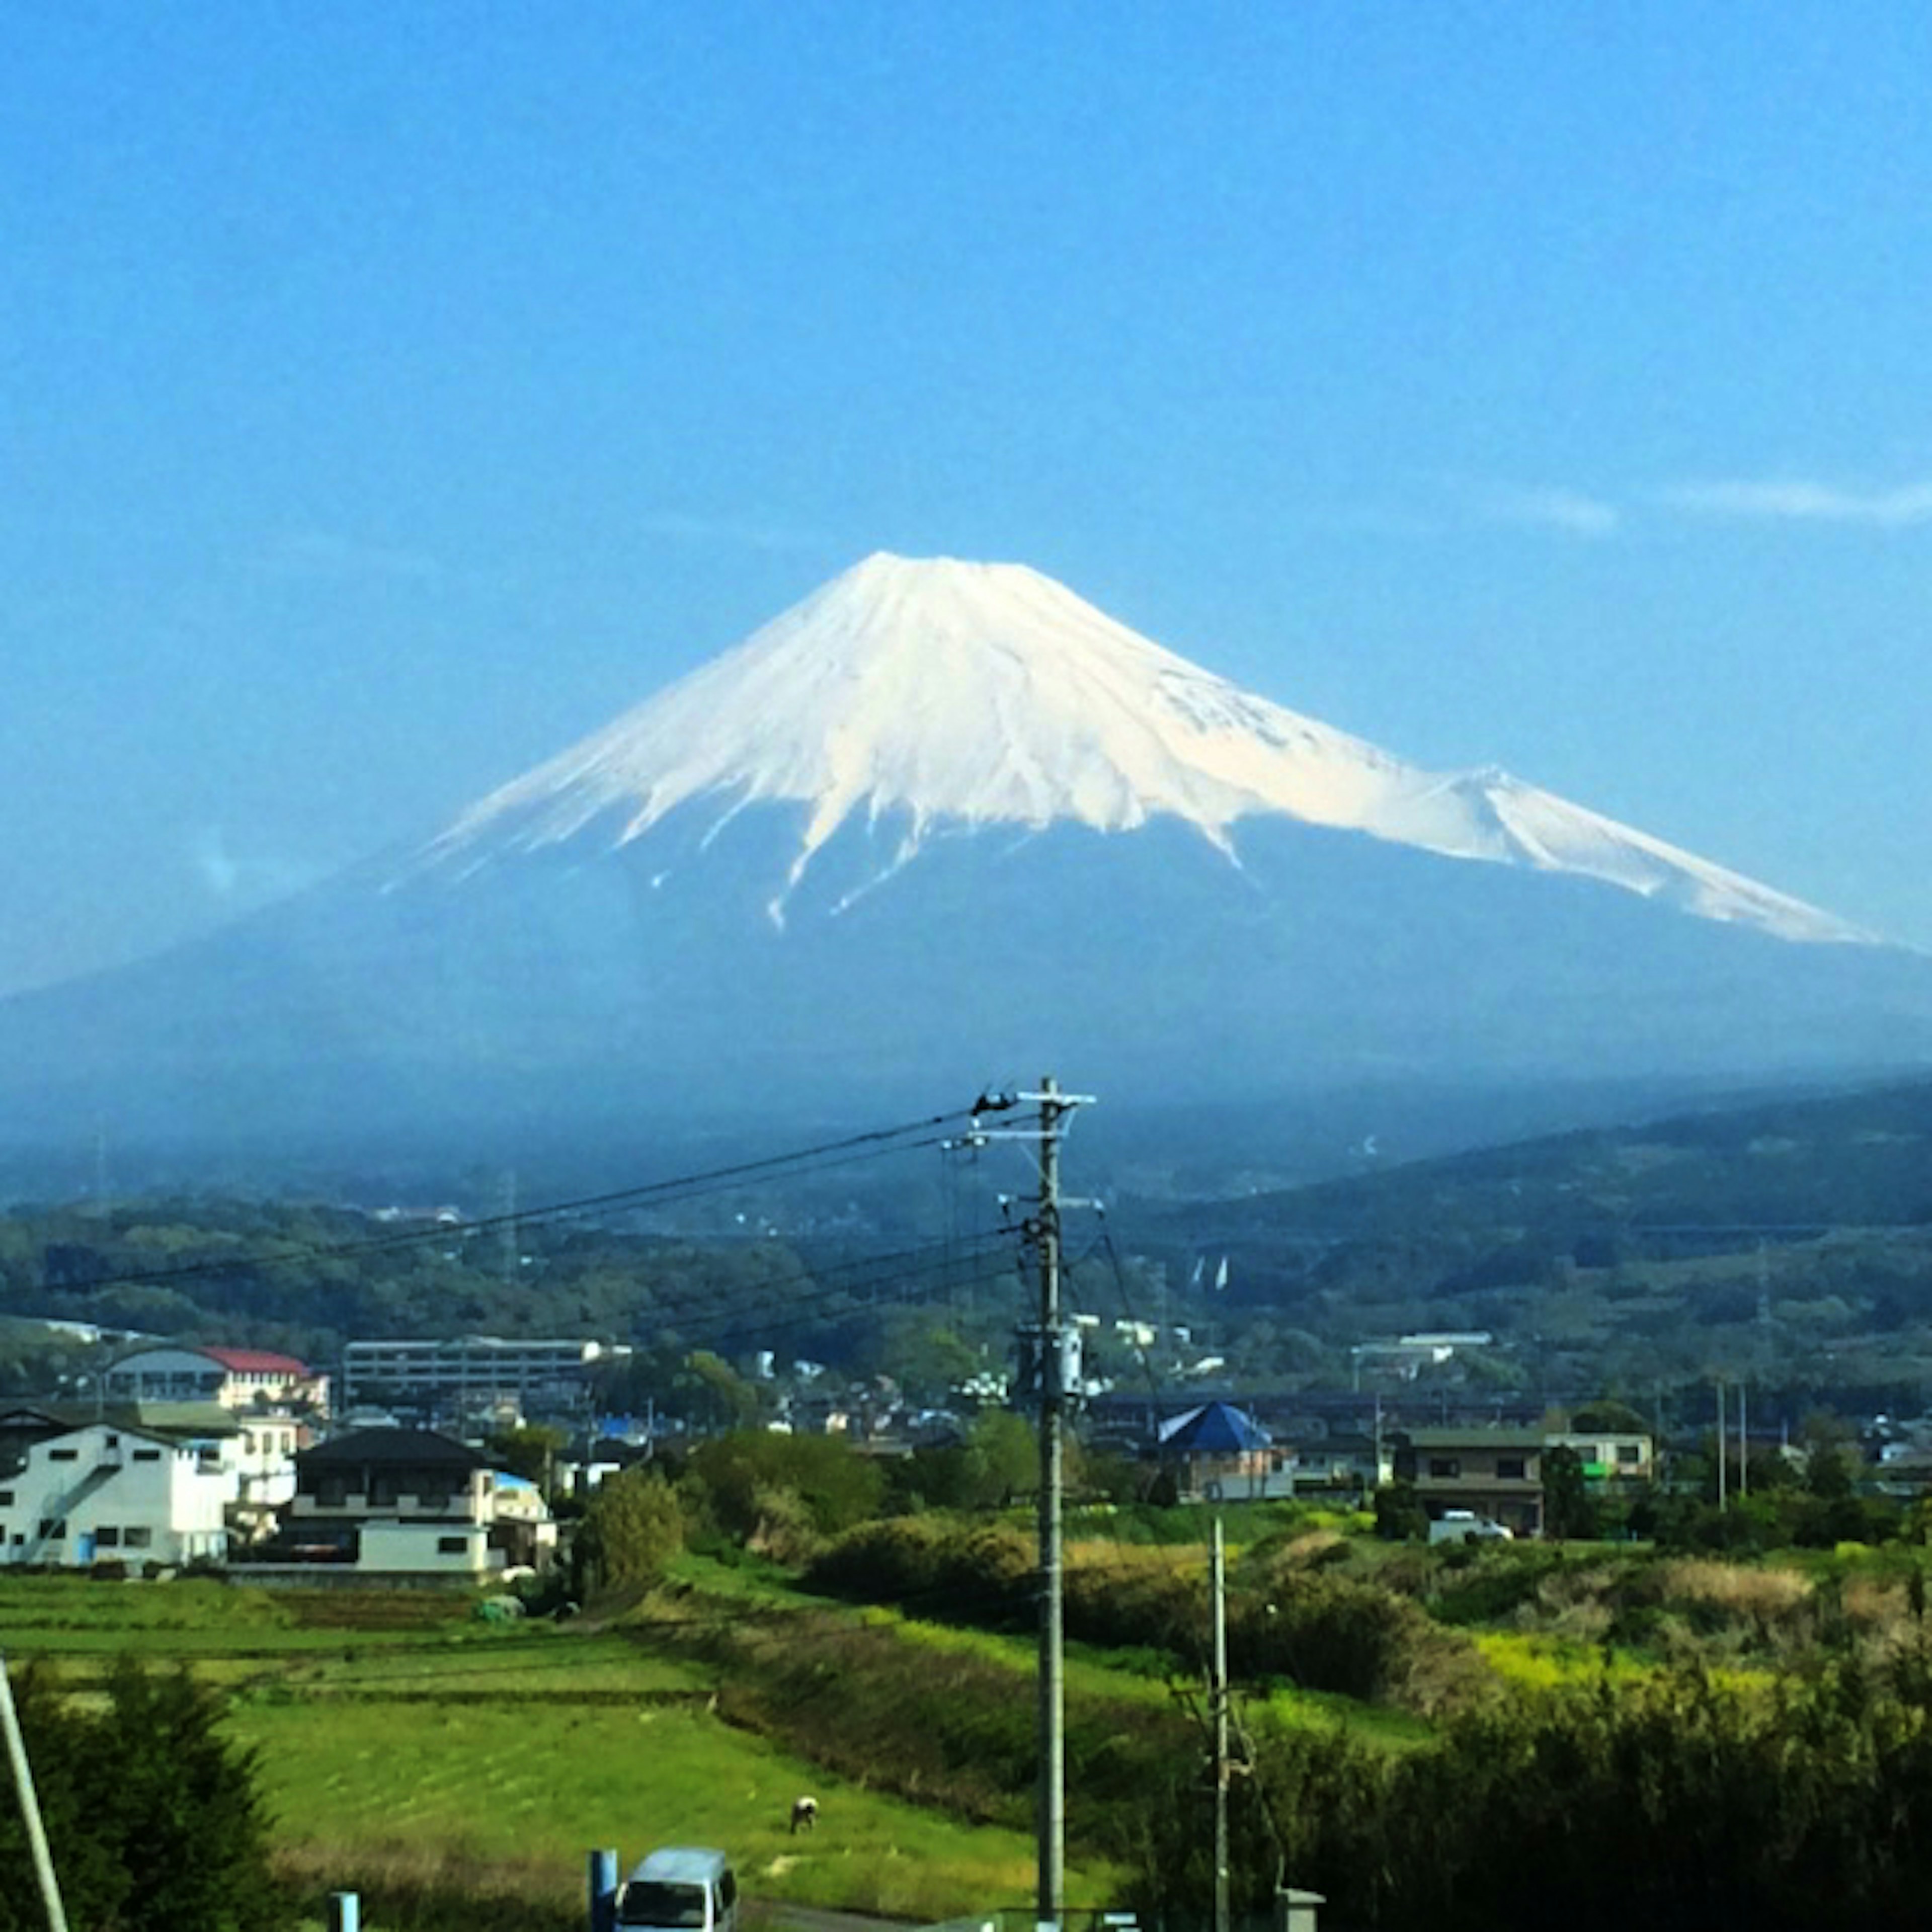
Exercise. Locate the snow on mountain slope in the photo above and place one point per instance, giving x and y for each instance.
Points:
(935, 695)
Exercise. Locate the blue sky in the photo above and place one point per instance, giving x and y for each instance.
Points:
(389, 395)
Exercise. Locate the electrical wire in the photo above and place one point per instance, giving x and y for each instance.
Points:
(867, 1146)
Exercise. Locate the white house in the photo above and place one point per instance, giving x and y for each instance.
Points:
(234, 1378)
(105, 1491)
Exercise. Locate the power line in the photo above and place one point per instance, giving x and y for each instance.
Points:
(870, 1145)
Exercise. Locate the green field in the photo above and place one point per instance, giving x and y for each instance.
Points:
(410, 1752)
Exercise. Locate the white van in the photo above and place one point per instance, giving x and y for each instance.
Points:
(1466, 1526)
(681, 1888)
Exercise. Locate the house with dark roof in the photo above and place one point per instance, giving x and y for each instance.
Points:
(1493, 1473)
(408, 1501)
(1217, 1453)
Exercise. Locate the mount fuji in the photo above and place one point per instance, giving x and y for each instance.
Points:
(942, 822)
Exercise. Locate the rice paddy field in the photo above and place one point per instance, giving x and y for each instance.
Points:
(411, 1752)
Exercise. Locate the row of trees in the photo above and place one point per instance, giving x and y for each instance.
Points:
(1670, 1801)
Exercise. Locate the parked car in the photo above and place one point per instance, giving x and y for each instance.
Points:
(1466, 1526)
(680, 1888)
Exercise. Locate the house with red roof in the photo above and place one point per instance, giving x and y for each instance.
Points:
(238, 1379)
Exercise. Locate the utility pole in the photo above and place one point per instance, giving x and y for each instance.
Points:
(30, 1808)
(1722, 1451)
(1047, 1346)
(1052, 1801)
(1219, 1697)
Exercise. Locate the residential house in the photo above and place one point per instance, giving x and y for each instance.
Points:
(1497, 1473)
(234, 1378)
(105, 1491)
(1216, 1452)
(411, 1501)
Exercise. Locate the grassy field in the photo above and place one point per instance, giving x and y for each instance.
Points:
(415, 1754)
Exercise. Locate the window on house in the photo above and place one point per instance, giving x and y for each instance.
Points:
(52, 1531)
(147, 1455)
(108, 1536)
(1630, 1452)
(451, 1546)
(332, 1492)
(1511, 1468)
(63, 1455)
(1442, 1466)
(6, 1498)
(137, 1536)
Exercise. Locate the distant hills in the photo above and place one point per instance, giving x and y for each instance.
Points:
(1783, 1166)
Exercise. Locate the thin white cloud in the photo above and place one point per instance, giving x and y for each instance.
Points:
(234, 880)
(1795, 500)
(680, 526)
(1571, 511)
(311, 553)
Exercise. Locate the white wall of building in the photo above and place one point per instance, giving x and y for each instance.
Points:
(459, 1548)
(114, 1493)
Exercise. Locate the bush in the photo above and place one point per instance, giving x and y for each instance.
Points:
(632, 1527)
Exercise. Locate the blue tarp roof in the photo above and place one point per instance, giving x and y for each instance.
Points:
(1214, 1429)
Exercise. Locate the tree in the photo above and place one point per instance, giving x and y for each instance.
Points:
(732, 1400)
(1608, 1416)
(153, 1817)
(1398, 1514)
(1568, 1509)
(632, 1527)
(755, 1480)
(529, 1451)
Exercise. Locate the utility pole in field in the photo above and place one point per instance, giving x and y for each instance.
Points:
(1053, 1347)
(1218, 1695)
(1052, 1800)
(1724, 1453)
(30, 1808)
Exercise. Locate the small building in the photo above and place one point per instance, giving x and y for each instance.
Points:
(1217, 1453)
(1496, 1473)
(106, 1491)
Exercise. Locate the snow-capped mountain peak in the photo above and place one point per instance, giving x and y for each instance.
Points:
(932, 694)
